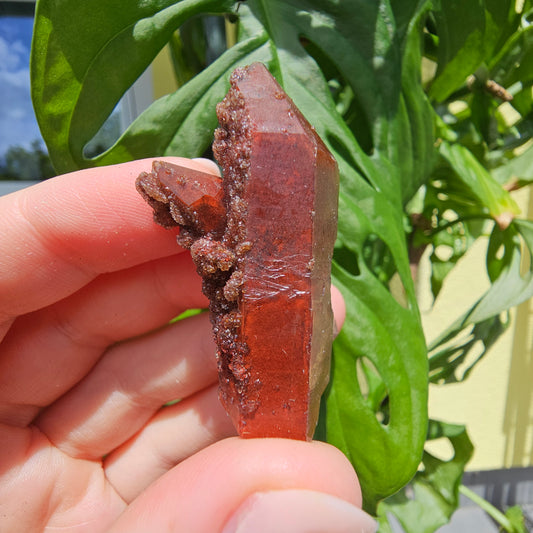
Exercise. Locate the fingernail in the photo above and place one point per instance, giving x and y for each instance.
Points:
(298, 511)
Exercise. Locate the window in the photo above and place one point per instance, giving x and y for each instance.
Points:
(23, 154)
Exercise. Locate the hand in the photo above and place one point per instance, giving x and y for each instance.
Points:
(89, 364)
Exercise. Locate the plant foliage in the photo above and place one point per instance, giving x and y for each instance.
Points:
(427, 106)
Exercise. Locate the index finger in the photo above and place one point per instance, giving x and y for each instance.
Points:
(60, 234)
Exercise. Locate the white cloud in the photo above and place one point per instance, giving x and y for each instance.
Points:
(19, 79)
(11, 55)
(19, 48)
(17, 120)
(18, 126)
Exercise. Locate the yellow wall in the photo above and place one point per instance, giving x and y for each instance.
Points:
(162, 73)
(496, 401)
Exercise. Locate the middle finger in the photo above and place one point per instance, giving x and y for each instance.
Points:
(129, 385)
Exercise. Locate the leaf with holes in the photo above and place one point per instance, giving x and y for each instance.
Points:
(447, 358)
(431, 498)
(448, 219)
(85, 55)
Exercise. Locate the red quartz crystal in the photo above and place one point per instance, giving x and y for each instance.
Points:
(281, 192)
(262, 240)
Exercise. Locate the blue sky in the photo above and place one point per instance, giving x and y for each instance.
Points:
(18, 126)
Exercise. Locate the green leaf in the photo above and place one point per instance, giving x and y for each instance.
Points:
(482, 322)
(188, 50)
(480, 183)
(390, 451)
(447, 358)
(449, 245)
(523, 103)
(514, 63)
(415, 134)
(517, 172)
(432, 497)
(516, 518)
(192, 108)
(460, 28)
(381, 329)
(448, 220)
(501, 21)
(85, 55)
(511, 287)
(483, 108)
(469, 34)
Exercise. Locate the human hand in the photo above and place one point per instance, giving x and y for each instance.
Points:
(88, 286)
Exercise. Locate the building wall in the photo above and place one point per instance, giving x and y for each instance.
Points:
(496, 401)
(163, 76)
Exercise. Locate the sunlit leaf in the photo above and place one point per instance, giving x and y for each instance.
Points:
(518, 172)
(515, 515)
(482, 323)
(448, 355)
(461, 30)
(87, 54)
(480, 183)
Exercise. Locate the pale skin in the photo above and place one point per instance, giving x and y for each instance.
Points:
(88, 284)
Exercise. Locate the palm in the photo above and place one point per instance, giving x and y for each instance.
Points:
(85, 366)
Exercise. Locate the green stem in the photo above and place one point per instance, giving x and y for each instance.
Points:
(492, 511)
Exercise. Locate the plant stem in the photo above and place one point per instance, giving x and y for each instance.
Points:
(492, 511)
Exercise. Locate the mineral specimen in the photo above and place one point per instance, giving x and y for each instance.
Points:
(264, 249)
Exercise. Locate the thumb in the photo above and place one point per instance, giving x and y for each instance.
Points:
(259, 485)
